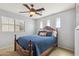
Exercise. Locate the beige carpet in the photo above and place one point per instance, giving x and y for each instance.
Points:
(8, 52)
(55, 52)
(61, 52)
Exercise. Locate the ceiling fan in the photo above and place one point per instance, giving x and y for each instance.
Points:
(32, 11)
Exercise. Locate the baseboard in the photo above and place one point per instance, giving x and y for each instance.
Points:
(8, 47)
(67, 49)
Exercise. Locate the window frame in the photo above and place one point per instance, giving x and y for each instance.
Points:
(8, 20)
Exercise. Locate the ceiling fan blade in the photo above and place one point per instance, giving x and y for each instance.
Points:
(41, 9)
(39, 14)
(26, 6)
(24, 12)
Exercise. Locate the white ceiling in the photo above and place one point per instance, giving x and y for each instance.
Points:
(50, 8)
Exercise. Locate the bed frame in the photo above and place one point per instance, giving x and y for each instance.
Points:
(29, 52)
(20, 50)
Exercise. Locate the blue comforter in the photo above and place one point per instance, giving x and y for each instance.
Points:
(40, 43)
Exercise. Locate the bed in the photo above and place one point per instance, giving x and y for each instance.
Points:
(36, 45)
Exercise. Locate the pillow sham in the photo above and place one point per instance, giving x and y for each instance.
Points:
(42, 33)
(49, 34)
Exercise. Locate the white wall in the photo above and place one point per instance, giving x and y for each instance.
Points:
(66, 32)
(7, 38)
(29, 26)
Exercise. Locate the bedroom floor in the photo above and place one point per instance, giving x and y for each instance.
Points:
(55, 52)
(61, 52)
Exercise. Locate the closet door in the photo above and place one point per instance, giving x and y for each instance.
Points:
(77, 41)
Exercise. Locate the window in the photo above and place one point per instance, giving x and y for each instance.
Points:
(11, 25)
(41, 24)
(58, 24)
(48, 22)
(19, 26)
(7, 24)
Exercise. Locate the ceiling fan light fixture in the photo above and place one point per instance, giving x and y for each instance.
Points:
(32, 13)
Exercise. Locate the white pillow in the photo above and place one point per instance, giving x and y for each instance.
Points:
(43, 33)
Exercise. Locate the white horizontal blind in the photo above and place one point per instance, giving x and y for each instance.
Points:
(58, 22)
(19, 26)
(10, 25)
(7, 24)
